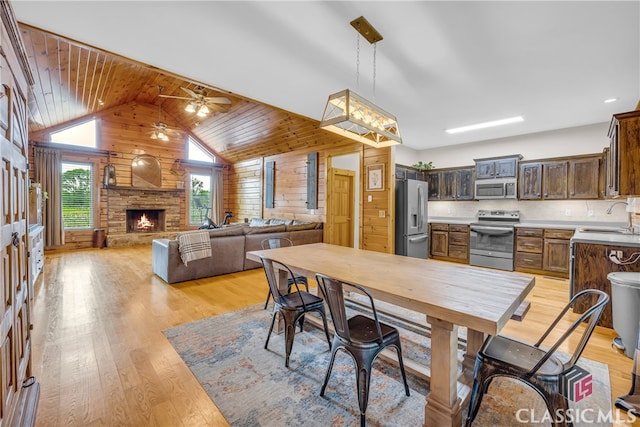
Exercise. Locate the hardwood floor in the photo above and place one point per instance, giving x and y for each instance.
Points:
(102, 360)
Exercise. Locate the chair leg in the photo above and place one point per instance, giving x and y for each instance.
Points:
(289, 335)
(273, 322)
(334, 350)
(266, 303)
(326, 327)
(363, 378)
(404, 374)
(480, 385)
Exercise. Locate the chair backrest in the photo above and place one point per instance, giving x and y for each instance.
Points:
(270, 268)
(333, 293)
(598, 300)
(276, 242)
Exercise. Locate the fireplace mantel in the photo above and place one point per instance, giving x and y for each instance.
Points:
(166, 190)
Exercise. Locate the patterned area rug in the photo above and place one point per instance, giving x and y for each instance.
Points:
(252, 387)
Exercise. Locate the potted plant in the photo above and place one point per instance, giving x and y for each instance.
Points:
(423, 166)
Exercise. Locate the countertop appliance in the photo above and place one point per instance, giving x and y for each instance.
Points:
(492, 239)
(412, 229)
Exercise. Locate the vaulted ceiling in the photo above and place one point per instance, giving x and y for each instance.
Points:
(74, 81)
(441, 64)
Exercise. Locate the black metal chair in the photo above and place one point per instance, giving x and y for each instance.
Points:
(360, 336)
(630, 402)
(540, 369)
(292, 306)
(281, 242)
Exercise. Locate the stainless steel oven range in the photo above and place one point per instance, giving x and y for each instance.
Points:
(492, 239)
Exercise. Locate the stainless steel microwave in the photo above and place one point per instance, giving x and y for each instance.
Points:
(498, 188)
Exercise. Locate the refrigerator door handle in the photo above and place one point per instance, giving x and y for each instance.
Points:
(420, 213)
(418, 239)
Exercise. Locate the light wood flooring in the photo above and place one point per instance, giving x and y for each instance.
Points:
(102, 360)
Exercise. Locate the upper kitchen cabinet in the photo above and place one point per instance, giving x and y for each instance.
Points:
(451, 184)
(623, 170)
(577, 177)
(497, 167)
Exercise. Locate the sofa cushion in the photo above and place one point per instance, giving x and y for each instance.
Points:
(237, 230)
(258, 222)
(304, 226)
(265, 229)
(278, 221)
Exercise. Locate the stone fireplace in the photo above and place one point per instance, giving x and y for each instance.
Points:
(162, 207)
(145, 220)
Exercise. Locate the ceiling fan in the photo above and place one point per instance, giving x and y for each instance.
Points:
(200, 103)
(161, 130)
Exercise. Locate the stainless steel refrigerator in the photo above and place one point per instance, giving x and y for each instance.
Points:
(412, 229)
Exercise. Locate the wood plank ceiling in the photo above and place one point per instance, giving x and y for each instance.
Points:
(74, 80)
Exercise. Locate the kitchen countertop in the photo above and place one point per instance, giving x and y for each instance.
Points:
(605, 238)
(568, 225)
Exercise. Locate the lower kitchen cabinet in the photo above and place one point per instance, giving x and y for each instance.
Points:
(449, 242)
(543, 251)
(591, 265)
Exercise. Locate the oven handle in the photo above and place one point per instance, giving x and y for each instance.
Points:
(492, 231)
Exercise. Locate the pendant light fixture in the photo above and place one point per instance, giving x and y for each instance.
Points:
(350, 115)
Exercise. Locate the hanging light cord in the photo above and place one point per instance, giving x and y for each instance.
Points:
(358, 61)
(374, 69)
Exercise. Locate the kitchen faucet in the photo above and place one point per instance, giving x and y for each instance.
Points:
(629, 225)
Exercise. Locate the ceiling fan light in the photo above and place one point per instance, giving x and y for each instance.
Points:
(203, 111)
(190, 108)
(154, 135)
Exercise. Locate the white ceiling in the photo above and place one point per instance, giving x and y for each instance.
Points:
(440, 65)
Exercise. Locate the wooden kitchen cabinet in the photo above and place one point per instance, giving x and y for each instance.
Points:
(451, 184)
(450, 242)
(623, 168)
(556, 251)
(498, 167)
(590, 268)
(543, 251)
(578, 177)
(554, 180)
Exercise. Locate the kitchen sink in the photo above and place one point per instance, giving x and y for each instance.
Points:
(604, 230)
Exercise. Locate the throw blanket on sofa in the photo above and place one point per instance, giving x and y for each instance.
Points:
(193, 246)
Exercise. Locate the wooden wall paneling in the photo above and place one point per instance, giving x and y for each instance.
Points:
(376, 235)
(243, 188)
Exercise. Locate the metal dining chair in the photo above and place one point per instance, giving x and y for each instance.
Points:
(541, 369)
(281, 242)
(292, 306)
(360, 336)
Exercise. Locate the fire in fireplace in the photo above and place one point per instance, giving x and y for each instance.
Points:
(145, 220)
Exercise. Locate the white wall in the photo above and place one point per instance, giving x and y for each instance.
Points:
(557, 143)
(352, 162)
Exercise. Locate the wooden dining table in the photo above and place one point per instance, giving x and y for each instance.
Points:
(449, 294)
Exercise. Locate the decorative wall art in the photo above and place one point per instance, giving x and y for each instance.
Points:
(375, 177)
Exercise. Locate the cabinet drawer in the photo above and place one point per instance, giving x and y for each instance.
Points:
(457, 238)
(529, 244)
(459, 228)
(532, 232)
(439, 227)
(558, 234)
(529, 260)
(458, 252)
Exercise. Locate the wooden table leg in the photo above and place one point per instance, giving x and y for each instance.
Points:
(443, 404)
(475, 339)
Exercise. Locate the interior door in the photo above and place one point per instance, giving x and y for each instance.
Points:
(340, 207)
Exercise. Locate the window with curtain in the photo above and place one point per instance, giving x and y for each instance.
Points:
(77, 195)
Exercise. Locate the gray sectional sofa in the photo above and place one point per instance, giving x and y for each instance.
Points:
(229, 246)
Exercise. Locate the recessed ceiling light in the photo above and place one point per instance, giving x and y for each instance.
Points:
(486, 124)
(607, 101)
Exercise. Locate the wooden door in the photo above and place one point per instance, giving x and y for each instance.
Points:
(341, 207)
(439, 243)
